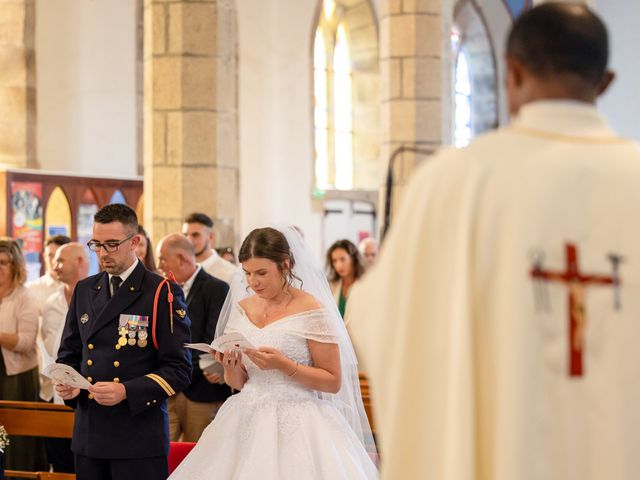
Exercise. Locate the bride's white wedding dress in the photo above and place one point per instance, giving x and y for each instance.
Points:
(276, 429)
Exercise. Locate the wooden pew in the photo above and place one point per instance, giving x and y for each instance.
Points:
(366, 399)
(37, 419)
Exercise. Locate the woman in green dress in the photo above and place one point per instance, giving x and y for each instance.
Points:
(344, 266)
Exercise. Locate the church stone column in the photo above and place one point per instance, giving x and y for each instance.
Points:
(414, 75)
(17, 84)
(190, 115)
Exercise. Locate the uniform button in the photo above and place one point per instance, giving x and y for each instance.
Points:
(90, 346)
(89, 362)
(148, 404)
(154, 401)
(90, 396)
(116, 364)
(118, 346)
(90, 379)
(116, 380)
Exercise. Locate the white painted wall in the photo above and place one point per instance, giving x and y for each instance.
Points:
(276, 152)
(275, 95)
(620, 104)
(86, 86)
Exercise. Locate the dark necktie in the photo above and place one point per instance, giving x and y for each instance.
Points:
(115, 284)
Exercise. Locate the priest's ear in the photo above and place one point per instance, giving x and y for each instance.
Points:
(607, 80)
(516, 79)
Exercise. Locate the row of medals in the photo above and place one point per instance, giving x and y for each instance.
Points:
(131, 333)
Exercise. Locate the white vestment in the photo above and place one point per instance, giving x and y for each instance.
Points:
(218, 267)
(467, 351)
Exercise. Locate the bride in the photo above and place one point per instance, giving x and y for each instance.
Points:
(299, 413)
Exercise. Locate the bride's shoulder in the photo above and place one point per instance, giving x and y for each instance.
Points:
(306, 301)
(248, 304)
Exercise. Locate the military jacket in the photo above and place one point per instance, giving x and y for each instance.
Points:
(110, 340)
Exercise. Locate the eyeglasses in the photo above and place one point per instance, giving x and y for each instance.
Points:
(110, 247)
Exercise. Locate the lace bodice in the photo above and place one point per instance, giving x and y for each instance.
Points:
(289, 335)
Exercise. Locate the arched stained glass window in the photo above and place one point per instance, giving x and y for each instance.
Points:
(463, 130)
(475, 93)
(57, 217)
(118, 197)
(343, 112)
(321, 111)
(333, 103)
(84, 229)
(346, 101)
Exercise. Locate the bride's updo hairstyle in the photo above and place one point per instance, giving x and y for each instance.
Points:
(271, 244)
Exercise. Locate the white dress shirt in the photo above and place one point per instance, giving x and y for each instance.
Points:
(218, 267)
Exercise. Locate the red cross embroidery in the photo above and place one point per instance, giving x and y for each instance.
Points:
(576, 282)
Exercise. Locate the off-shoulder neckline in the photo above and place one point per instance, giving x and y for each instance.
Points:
(305, 312)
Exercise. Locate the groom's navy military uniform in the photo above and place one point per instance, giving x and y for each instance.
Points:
(109, 339)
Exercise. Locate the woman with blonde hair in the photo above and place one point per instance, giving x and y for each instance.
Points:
(19, 358)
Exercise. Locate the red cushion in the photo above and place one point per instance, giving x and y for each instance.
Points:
(177, 452)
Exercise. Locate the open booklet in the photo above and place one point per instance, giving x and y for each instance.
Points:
(60, 373)
(223, 343)
(64, 374)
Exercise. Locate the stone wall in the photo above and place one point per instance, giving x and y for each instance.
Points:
(17, 84)
(190, 114)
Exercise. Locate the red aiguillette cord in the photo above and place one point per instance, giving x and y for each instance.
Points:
(155, 307)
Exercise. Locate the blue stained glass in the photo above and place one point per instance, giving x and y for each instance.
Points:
(118, 197)
(516, 7)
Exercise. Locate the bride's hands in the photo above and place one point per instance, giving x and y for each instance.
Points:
(231, 359)
(267, 358)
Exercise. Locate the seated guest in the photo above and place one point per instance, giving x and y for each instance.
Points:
(71, 264)
(344, 266)
(19, 359)
(192, 410)
(48, 283)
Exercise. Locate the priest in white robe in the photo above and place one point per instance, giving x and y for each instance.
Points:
(504, 343)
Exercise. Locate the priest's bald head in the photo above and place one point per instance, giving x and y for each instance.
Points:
(557, 50)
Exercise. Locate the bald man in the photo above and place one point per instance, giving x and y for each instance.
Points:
(503, 343)
(70, 264)
(368, 248)
(193, 409)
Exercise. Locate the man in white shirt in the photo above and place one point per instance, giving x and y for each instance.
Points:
(503, 343)
(198, 228)
(70, 264)
(48, 283)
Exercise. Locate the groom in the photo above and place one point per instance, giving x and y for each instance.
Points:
(121, 428)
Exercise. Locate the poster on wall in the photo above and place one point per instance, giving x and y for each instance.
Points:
(86, 211)
(27, 222)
